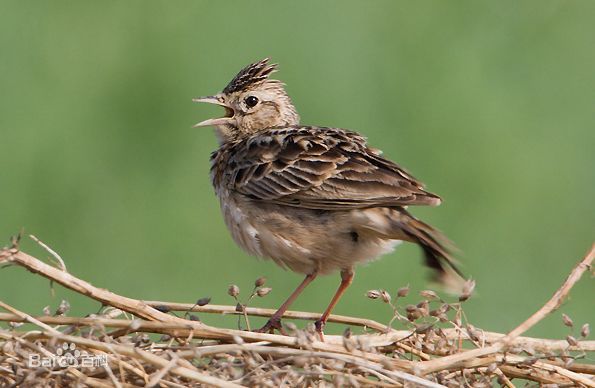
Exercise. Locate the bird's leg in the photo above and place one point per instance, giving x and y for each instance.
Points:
(346, 279)
(274, 321)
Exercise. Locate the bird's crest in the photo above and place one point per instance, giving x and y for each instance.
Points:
(250, 75)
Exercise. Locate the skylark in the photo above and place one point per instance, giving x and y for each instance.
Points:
(313, 199)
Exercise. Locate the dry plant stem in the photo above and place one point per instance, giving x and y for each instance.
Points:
(264, 312)
(28, 318)
(111, 375)
(211, 350)
(90, 381)
(515, 372)
(141, 309)
(133, 306)
(556, 301)
(504, 378)
(151, 358)
(175, 329)
(169, 366)
(54, 254)
(158, 322)
(454, 360)
(157, 377)
(538, 344)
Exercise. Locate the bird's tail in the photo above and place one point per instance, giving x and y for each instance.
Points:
(436, 247)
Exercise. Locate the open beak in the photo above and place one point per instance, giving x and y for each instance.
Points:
(217, 100)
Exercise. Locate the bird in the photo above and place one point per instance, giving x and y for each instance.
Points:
(315, 200)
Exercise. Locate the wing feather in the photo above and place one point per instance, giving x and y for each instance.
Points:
(317, 168)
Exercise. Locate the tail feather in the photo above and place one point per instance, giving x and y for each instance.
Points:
(436, 247)
(398, 224)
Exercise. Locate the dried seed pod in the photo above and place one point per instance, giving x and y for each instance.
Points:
(112, 312)
(233, 290)
(567, 321)
(585, 331)
(413, 315)
(445, 307)
(63, 308)
(373, 294)
(14, 325)
(291, 326)
(144, 338)
(492, 367)
(403, 292)
(162, 308)
(385, 296)
(260, 281)
(47, 311)
(472, 332)
(203, 301)
(571, 340)
(348, 344)
(240, 307)
(194, 318)
(424, 307)
(530, 361)
(263, 291)
(347, 333)
(429, 294)
(410, 308)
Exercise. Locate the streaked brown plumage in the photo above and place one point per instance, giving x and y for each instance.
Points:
(313, 199)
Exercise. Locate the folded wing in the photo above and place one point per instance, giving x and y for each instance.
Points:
(320, 168)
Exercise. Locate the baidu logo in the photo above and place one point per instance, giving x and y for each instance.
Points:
(67, 355)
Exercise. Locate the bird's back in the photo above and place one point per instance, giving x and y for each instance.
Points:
(316, 168)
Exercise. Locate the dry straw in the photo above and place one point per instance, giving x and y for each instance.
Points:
(439, 348)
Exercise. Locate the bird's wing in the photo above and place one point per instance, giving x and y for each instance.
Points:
(320, 168)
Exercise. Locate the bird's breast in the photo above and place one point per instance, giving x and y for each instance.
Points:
(303, 240)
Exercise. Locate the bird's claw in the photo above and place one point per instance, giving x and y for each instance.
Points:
(319, 325)
(272, 324)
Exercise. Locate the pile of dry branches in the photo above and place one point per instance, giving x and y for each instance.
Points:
(155, 347)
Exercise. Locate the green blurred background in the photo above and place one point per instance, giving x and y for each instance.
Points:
(490, 103)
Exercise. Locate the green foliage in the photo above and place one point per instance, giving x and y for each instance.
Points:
(490, 103)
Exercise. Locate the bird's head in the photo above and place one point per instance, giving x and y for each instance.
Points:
(252, 102)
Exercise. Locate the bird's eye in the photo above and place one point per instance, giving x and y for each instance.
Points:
(251, 101)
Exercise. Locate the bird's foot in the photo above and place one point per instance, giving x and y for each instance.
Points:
(274, 323)
(319, 325)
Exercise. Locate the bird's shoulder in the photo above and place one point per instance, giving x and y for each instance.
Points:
(315, 167)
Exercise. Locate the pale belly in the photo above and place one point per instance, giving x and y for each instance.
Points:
(303, 240)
